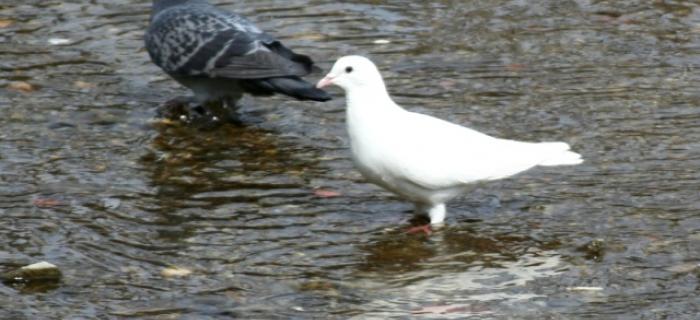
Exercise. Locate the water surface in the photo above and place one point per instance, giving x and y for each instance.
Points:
(92, 181)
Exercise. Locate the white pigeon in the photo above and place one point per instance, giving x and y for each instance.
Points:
(423, 159)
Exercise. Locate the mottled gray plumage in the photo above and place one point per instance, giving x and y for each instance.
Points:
(222, 55)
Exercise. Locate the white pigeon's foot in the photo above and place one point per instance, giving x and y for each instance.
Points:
(426, 228)
(437, 218)
(437, 214)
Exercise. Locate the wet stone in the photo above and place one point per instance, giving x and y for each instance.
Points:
(684, 268)
(21, 86)
(88, 176)
(175, 272)
(593, 250)
(4, 23)
(324, 287)
(37, 277)
(47, 226)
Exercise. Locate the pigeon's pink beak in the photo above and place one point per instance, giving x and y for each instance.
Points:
(327, 81)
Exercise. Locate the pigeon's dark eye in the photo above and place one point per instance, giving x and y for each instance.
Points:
(348, 69)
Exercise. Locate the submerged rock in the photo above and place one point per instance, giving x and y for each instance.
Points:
(590, 289)
(594, 249)
(22, 86)
(684, 268)
(42, 271)
(37, 277)
(4, 23)
(175, 272)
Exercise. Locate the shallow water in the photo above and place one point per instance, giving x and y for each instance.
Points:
(93, 182)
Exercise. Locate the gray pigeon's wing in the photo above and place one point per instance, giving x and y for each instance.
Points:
(201, 40)
(263, 61)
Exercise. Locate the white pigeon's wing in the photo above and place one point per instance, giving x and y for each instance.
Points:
(437, 154)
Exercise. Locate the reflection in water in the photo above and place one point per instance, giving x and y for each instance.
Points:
(188, 162)
(462, 268)
(227, 174)
(406, 252)
(474, 290)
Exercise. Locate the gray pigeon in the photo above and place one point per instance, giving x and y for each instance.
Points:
(220, 55)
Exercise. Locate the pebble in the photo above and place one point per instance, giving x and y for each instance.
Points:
(4, 23)
(683, 268)
(585, 289)
(41, 271)
(175, 272)
(84, 85)
(21, 86)
(59, 41)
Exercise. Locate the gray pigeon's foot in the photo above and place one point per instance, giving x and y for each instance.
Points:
(203, 115)
(225, 111)
(181, 108)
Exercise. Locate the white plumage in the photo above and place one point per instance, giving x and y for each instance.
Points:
(421, 158)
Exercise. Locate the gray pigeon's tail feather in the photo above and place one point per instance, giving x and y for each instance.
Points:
(291, 86)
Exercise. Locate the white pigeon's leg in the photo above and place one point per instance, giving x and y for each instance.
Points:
(421, 208)
(437, 213)
(437, 217)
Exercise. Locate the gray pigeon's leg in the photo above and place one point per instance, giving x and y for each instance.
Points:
(231, 105)
(224, 109)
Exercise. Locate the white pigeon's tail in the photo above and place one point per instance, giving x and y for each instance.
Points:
(558, 154)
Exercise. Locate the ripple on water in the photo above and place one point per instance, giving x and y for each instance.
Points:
(89, 182)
